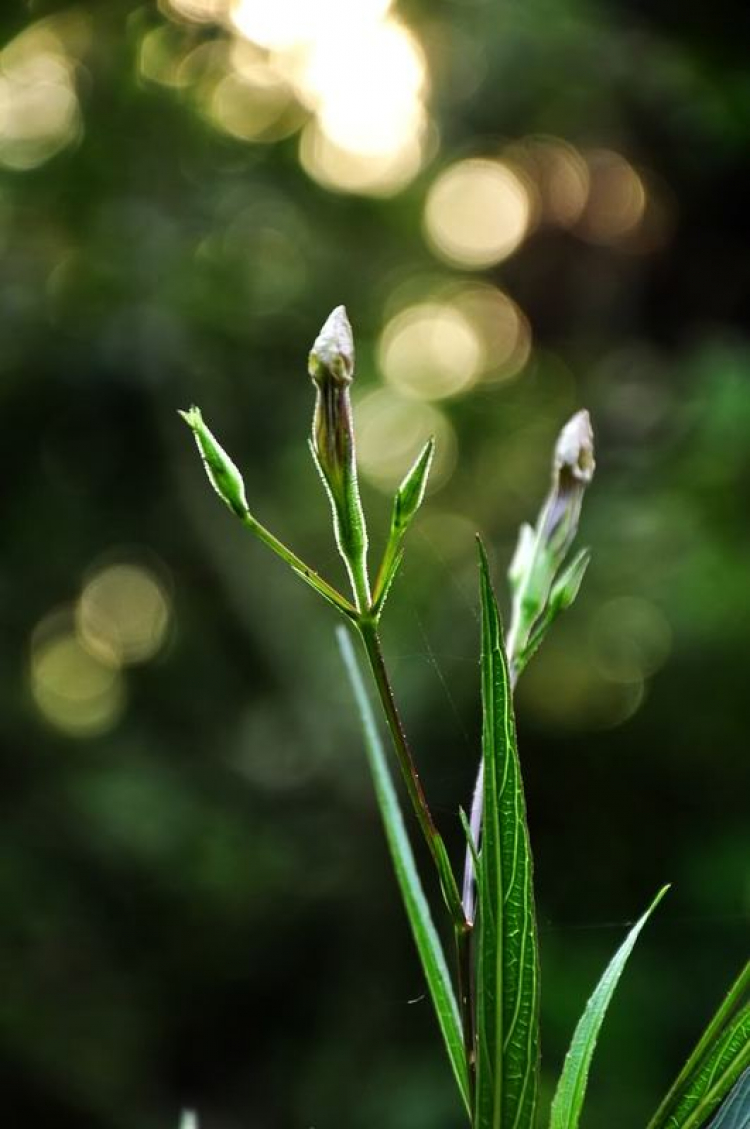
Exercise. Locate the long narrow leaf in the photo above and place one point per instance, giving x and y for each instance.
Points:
(735, 1113)
(716, 1075)
(721, 1055)
(571, 1087)
(417, 909)
(507, 963)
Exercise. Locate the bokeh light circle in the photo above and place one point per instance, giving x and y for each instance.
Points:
(430, 350)
(392, 430)
(477, 213)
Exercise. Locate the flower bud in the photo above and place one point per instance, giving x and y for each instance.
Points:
(332, 354)
(572, 470)
(222, 473)
(331, 366)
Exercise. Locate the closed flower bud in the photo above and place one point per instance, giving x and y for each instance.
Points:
(222, 473)
(331, 366)
(332, 354)
(572, 471)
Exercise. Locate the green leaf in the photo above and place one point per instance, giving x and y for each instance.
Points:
(507, 962)
(721, 1055)
(735, 1113)
(425, 935)
(571, 1087)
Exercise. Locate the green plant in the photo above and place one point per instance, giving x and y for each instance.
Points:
(488, 1013)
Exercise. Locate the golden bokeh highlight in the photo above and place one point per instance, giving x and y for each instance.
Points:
(125, 611)
(80, 693)
(430, 351)
(367, 135)
(616, 201)
(477, 213)
(348, 68)
(341, 170)
(368, 96)
(254, 104)
(503, 329)
(196, 11)
(282, 25)
(162, 57)
(391, 432)
(39, 111)
(559, 174)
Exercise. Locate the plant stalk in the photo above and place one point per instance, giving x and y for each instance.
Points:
(371, 640)
(321, 586)
(461, 927)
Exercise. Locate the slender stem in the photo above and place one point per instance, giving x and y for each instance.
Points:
(392, 550)
(371, 640)
(462, 935)
(461, 927)
(360, 583)
(322, 587)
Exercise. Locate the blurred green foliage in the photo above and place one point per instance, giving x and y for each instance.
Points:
(190, 849)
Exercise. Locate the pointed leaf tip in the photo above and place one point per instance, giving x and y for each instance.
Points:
(571, 1087)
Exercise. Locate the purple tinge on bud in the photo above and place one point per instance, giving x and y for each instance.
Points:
(572, 470)
(331, 365)
(332, 354)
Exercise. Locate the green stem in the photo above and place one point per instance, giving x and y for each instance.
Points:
(462, 935)
(322, 587)
(356, 564)
(369, 635)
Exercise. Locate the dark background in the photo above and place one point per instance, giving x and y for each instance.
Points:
(197, 906)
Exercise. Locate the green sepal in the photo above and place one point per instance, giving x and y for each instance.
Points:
(406, 502)
(410, 493)
(568, 583)
(563, 594)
